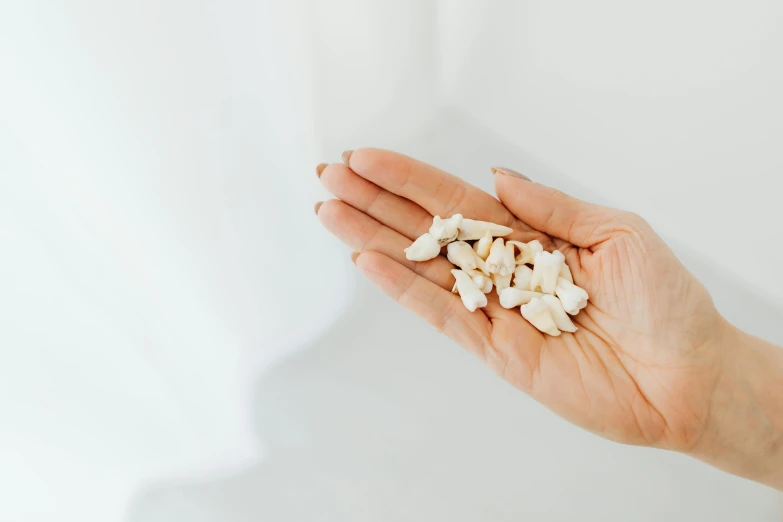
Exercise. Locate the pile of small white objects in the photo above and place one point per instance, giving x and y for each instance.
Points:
(546, 292)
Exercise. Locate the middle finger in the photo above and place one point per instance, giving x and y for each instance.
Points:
(397, 213)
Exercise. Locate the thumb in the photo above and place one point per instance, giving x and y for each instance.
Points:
(552, 212)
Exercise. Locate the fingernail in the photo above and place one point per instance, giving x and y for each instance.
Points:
(354, 255)
(347, 156)
(509, 172)
(317, 206)
(319, 169)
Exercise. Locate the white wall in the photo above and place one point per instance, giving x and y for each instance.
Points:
(156, 158)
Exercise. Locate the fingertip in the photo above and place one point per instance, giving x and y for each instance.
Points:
(505, 171)
(328, 212)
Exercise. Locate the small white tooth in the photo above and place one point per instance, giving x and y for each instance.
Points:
(472, 297)
(546, 270)
(559, 315)
(509, 265)
(481, 265)
(501, 258)
(482, 246)
(528, 251)
(496, 254)
(471, 229)
(462, 254)
(445, 230)
(565, 273)
(501, 281)
(522, 276)
(513, 297)
(537, 313)
(424, 248)
(482, 281)
(572, 297)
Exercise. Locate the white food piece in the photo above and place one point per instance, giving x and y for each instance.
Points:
(537, 313)
(462, 254)
(445, 230)
(522, 277)
(472, 297)
(471, 229)
(502, 281)
(513, 297)
(482, 246)
(501, 258)
(424, 248)
(546, 270)
(559, 315)
(528, 251)
(571, 296)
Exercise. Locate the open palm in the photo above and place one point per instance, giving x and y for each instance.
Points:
(643, 365)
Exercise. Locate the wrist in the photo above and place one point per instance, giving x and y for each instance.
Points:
(744, 430)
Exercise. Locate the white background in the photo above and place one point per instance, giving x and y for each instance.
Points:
(158, 250)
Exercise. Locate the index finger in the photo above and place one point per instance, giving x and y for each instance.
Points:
(438, 192)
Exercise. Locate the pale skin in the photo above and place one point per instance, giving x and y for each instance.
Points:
(653, 362)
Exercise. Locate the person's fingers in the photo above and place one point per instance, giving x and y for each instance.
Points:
(397, 213)
(437, 306)
(362, 233)
(553, 212)
(438, 192)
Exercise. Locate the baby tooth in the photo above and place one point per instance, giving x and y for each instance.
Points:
(472, 297)
(461, 254)
(513, 297)
(546, 270)
(571, 296)
(424, 248)
(471, 229)
(522, 276)
(537, 313)
(445, 230)
(502, 281)
(501, 258)
(565, 273)
(483, 245)
(561, 319)
(528, 251)
(482, 281)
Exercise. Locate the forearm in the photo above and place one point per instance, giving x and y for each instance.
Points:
(744, 433)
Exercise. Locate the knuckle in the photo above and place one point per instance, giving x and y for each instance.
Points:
(635, 221)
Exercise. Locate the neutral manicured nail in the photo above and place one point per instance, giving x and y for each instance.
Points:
(319, 169)
(354, 255)
(317, 206)
(347, 156)
(509, 172)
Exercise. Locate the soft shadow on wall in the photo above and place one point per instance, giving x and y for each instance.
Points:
(385, 419)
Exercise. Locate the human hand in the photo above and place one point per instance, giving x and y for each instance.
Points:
(644, 366)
